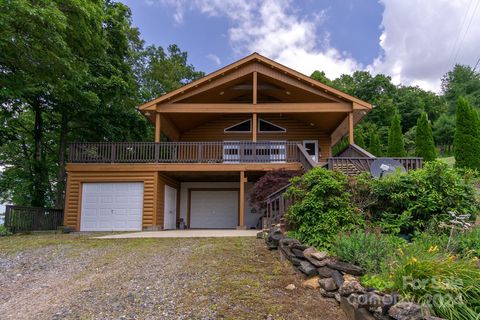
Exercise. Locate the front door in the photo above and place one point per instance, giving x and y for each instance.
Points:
(170, 208)
(312, 148)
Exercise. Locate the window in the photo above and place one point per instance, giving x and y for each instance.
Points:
(244, 126)
(265, 126)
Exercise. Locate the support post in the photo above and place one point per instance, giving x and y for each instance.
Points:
(157, 127)
(254, 98)
(350, 128)
(254, 127)
(241, 204)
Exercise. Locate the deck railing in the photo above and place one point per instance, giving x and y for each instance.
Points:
(184, 152)
(356, 165)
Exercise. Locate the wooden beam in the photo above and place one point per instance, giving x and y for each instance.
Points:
(254, 87)
(350, 128)
(158, 122)
(255, 108)
(241, 202)
(254, 127)
(134, 168)
(169, 128)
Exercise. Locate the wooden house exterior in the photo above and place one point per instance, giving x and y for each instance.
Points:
(214, 138)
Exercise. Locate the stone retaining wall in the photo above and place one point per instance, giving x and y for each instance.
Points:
(340, 281)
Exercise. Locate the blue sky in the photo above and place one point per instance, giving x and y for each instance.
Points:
(414, 41)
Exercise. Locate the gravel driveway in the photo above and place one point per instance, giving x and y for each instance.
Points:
(76, 277)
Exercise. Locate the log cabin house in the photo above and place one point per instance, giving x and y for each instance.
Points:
(214, 138)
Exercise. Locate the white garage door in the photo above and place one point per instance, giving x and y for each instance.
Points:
(213, 209)
(112, 206)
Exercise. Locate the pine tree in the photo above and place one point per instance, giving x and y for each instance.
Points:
(424, 144)
(396, 147)
(359, 141)
(374, 144)
(466, 142)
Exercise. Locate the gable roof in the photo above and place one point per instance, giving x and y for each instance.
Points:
(255, 57)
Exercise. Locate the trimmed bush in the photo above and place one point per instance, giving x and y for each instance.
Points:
(396, 146)
(411, 202)
(4, 231)
(368, 250)
(466, 141)
(468, 243)
(321, 208)
(424, 144)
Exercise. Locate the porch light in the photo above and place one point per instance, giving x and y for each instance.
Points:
(287, 92)
(147, 114)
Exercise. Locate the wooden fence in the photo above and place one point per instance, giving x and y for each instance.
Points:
(25, 219)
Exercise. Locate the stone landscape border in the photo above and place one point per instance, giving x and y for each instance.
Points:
(340, 281)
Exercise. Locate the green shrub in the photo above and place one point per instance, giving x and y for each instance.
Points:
(468, 242)
(412, 201)
(4, 231)
(368, 250)
(321, 207)
(448, 286)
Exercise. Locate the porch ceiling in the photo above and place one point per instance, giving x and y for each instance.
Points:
(233, 176)
(326, 122)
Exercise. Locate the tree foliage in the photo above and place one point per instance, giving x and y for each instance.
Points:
(374, 146)
(71, 70)
(466, 142)
(269, 183)
(424, 144)
(396, 147)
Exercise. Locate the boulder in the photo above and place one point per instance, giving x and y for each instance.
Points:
(311, 253)
(287, 252)
(274, 238)
(325, 272)
(326, 293)
(320, 255)
(370, 300)
(349, 277)
(311, 283)
(408, 311)
(349, 287)
(337, 277)
(307, 268)
(298, 253)
(298, 246)
(290, 287)
(260, 235)
(287, 242)
(295, 261)
(346, 267)
(328, 284)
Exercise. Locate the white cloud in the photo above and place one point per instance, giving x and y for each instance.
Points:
(275, 29)
(214, 58)
(420, 40)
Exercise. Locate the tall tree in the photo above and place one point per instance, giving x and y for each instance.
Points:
(162, 72)
(462, 81)
(396, 147)
(424, 144)
(467, 133)
(444, 131)
(374, 146)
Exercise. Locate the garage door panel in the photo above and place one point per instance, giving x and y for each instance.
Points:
(112, 206)
(213, 209)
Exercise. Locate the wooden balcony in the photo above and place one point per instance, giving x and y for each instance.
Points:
(356, 165)
(187, 152)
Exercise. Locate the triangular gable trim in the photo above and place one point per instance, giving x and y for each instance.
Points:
(256, 57)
